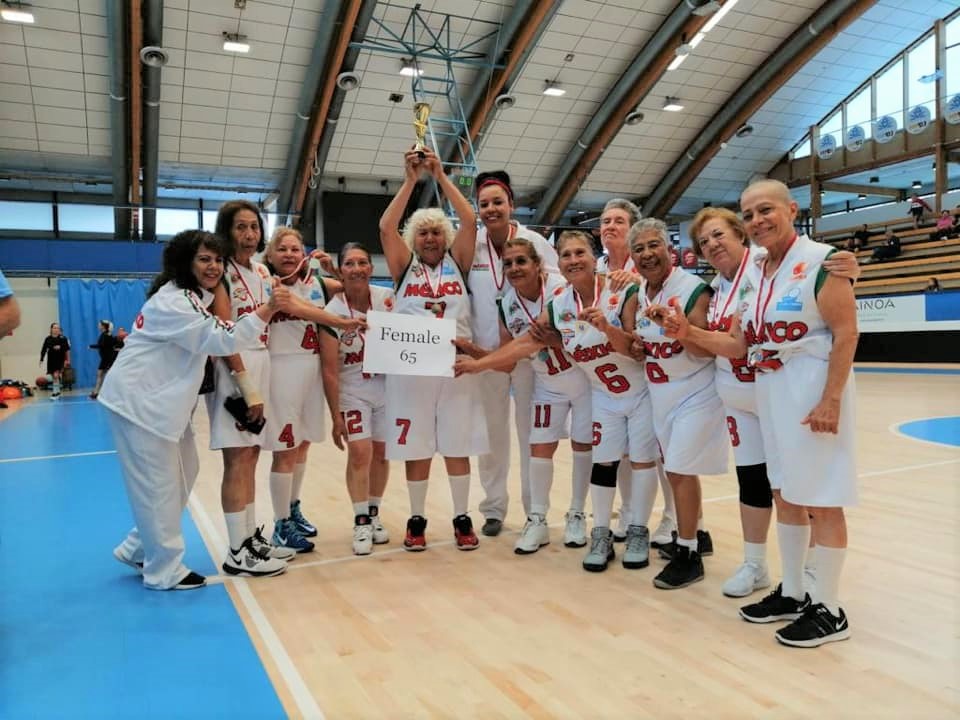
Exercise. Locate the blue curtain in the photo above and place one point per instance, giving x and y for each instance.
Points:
(83, 304)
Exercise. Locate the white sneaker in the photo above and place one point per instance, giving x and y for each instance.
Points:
(620, 530)
(380, 534)
(362, 539)
(261, 545)
(251, 562)
(664, 534)
(535, 535)
(575, 532)
(748, 578)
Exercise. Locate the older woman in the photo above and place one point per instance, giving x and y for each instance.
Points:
(356, 399)
(486, 283)
(800, 333)
(428, 263)
(560, 389)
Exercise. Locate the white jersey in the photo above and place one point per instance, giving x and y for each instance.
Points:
(609, 372)
(603, 265)
(554, 368)
(487, 282)
(435, 292)
(735, 378)
(353, 381)
(290, 335)
(673, 372)
(248, 287)
(155, 380)
(782, 318)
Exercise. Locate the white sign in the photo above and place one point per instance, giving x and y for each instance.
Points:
(397, 344)
(827, 147)
(951, 111)
(856, 136)
(886, 129)
(898, 313)
(918, 119)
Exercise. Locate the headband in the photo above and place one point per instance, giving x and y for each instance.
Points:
(495, 181)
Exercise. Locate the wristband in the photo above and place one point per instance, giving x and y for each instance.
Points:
(251, 394)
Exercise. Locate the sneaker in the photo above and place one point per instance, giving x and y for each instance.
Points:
(815, 627)
(747, 579)
(704, 546)
(362, 535)
(685, 568)
(55, 396)
(250, 561)
(535, 535)
(665, 533)
(380, 534)
(93, 396)
(464, 534)
(287, 535)
(306, 528)
(192, 581)
(492, 527)
(261, 545)
(601, 550)
(775, 607)
(636, 553)
(620, 531)
(416, 539)
(575, 531)
(118, 554)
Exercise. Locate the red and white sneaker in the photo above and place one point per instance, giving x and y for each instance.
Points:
(416, 538)
(463, 532)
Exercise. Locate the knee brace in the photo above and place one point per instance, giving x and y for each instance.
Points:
(754, 486)
(604, 475)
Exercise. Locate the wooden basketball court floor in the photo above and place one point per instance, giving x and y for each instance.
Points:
(490, 634)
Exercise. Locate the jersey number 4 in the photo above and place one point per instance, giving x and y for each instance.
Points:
(286, 436)
(310, 340)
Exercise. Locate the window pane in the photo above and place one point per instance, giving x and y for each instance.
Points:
(803, 149)
(833, 126)
(858, 111)
(952, 79)
(86, 218)
(25, 216)
(890, 93)
(921, 64)
(170, 222)
(209, 220)
(953, 32)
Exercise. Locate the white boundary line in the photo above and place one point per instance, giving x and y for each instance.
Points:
(306, 705)
(57, 457)
(895, 429)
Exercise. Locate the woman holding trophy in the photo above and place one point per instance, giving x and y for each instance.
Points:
(428, 263)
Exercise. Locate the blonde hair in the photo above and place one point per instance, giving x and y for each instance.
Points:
(522, 242)
(427, 216)
(568, 235)
(716, 213)
(278, 235)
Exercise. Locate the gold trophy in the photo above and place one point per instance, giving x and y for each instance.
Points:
(421, 111)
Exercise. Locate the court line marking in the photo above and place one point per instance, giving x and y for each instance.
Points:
(57, 457)
(895, 429)
(307, 706)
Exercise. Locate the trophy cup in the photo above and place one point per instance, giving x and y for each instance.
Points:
(421, 111)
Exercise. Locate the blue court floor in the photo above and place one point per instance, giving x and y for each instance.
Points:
(944, 430)
(79, 635)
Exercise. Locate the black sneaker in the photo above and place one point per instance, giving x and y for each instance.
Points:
(658, 545)
(815, 627)
(416, 537)
(775, 607)
(463, 533)
(704, 546)
(492, 527)
(685, 568)
(191, 582)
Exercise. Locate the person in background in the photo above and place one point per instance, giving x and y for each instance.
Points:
(944, 226)
(889, 250)
(859, 240)
(933, 286)
(108, 346)
(9, 313)
(56, 348)
(918, 206)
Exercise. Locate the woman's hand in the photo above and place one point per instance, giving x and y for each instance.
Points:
(595, 317)
(280, 298)
(412, 165)
(672, 319)
(843, 264)
(636, 350)
(255, 413)
(326, 262)
(339, 431)
(432, 163)
(545, 334)
(619, 279)
(464, 365)
(825, 417)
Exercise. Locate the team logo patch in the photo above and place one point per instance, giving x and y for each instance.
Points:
(645, 322)
(613, 301)
(516, 326)
(239, 293)
(235, 277)
(388, 303)
(566, 316)
(447, 270)
(417, 271)
(514, 307)
(567, 335)
(790, 302)
(799, 271)
(557, 290)
(315, 295)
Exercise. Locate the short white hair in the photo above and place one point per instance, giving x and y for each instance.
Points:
(428, 216)
(648, 225)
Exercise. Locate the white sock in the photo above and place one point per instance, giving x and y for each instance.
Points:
(669, 506)
(361, 508)
(829, 565)
(755, 553)
(280, 484)
(602, 500)
(625, 485)
(251, 511)
(298, 472)
(793, 547)
(56, 387)
(236, 528)
(689, 543)
(643, 493)
(582, 467)
(417, 489)
(541, 480)
(460, 490)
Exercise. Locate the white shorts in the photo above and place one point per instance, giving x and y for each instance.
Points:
(363, 418)
(623, 426)
(808, 468)
(692, 433)
(549, 413)
(429, 415)
(745, 437)
(224, 432)
(296, 410)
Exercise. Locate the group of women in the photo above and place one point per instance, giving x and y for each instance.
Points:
(646, 369)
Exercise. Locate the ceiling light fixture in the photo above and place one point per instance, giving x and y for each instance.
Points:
(917, 185)
(235, 42)
(719, 15)
(553, 89)
(672, 104)
(15, 12)
(408, 68)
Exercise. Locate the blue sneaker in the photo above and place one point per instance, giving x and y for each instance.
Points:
(287, 535)
(306, 528)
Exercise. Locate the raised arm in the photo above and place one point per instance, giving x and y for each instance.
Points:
(465, 241)
(394, 248)
(698, 318)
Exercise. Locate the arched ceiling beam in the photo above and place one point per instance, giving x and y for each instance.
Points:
(824, 25)
(632, 87)
(310, 90)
